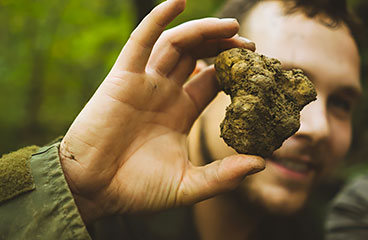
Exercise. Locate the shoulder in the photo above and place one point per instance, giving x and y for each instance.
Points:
(348, 213)
(354, 194)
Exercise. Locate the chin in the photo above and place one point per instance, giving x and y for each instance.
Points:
(271, 199)
(284, 205)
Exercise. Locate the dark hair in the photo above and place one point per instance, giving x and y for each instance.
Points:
(336, 11)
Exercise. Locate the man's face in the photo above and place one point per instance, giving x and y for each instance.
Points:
(329, 57)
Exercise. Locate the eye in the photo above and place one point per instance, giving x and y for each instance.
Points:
(340, 106)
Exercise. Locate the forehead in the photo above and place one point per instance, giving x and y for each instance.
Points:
(301, 42)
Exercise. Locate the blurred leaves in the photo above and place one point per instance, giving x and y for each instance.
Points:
(54, 54)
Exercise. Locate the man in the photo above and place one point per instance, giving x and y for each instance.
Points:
(314, 45)
(126, 152)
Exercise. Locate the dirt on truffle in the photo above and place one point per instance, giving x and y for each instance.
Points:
(265, 101)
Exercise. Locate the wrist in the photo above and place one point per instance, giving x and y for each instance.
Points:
(88, 208)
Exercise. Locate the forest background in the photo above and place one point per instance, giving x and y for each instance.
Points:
(54, 54)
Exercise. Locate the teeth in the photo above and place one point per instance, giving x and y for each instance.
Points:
(295, 166)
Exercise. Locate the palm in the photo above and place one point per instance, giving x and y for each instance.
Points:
(126, 151)
(156, 152)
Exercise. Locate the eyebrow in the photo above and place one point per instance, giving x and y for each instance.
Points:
(354, 93)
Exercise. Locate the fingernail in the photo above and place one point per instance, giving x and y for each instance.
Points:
(246, 40)
(249, 43)
(255, 170)
(229, 19)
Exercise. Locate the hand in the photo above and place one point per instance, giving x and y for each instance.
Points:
(126, 151)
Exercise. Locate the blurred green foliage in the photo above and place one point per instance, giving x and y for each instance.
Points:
(54, 54)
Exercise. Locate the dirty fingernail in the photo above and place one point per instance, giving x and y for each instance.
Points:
(246, 40)
(249, 43)
(229, 19)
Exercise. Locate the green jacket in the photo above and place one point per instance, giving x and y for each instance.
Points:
(348, 216)
(35, 200)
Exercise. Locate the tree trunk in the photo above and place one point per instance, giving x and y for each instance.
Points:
(143, 8)
(32, 131)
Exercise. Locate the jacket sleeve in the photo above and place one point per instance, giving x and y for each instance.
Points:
(35, 200)
(348, 216)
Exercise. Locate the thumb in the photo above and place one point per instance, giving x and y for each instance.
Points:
(203, 182)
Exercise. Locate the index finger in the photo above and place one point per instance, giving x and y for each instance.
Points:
(137, 50)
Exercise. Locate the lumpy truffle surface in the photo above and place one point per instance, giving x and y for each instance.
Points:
(265, 101)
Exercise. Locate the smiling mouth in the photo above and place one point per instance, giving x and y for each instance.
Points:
(293, 165)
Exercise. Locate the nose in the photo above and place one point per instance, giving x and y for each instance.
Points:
(314, 123)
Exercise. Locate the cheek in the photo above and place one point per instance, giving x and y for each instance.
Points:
(340, 139)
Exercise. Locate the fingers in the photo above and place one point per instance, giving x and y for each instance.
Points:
(136, 51)
(201, 183)
(183, 69)
(214, 47)
(202, 88)
(181, 39)
(185, 66)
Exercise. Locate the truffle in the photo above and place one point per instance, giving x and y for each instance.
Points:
(265, 101)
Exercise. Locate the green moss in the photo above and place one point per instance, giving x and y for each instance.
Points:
(15, 173)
